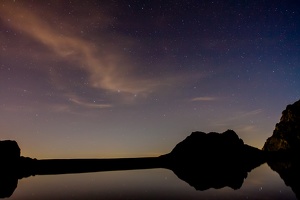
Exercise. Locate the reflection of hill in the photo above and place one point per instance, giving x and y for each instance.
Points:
(202, 160)
(211, 176)
(214, 173)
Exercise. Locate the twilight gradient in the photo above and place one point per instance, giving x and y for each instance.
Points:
(133, 78)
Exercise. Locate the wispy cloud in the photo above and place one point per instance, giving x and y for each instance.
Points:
(97, 64)
(203, 99)
(246, 128)
(250, 113)
(89, 104)
(107, 68)
(238, 116)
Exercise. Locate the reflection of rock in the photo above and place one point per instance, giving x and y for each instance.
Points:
(289, 172)
(286, 136)
(213, 160)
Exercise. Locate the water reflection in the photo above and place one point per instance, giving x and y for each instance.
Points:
(261, 183)
(204, 177)
(214, 173)
(289, 171)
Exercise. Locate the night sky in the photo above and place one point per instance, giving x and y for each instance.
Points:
(134, 78)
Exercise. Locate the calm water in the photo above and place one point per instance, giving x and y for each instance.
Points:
(261, 183)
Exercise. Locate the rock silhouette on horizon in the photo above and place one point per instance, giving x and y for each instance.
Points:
(9, 150)
(213, 147)
(286, 136)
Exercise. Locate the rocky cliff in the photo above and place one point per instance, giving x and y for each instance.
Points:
(286, 136)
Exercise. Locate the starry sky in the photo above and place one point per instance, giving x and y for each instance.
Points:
(134, 78)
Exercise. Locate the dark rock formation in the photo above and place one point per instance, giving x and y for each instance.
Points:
(9, 150)
(213, 160)
(286, 136)
(208, 145)
(213, 147)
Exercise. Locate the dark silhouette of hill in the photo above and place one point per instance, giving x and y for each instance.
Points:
(202, 160)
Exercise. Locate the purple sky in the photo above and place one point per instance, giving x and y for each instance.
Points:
(134, 78)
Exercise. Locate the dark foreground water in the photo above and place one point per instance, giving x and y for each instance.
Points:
(261, 183)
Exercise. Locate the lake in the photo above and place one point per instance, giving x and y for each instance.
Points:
(261, 183)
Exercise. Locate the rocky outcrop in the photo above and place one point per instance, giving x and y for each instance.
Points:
(213, 160)
(213, 147)
(9, 150)
(286, 136)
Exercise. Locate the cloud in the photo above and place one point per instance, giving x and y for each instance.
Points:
(107, 68)
(246, 128)
(90, 105)
(203, 99)
(240, 116)
(245, 114)
(250, 113)
(95, 63)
